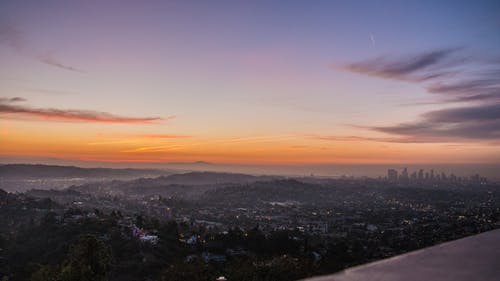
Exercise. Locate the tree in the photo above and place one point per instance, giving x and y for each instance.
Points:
(46, 273)
(139, 221)
(88, 260)
(197, 271)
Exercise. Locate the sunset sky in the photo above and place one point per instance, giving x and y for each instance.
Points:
(251, 82)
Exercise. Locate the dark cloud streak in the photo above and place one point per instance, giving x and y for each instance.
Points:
(465, 114)
(11, 100)
(473, 84)
(50, 60)
(447, 73)
(480, 122)
(371, 139)
(8, 111)
(416, 68)
(13, 38)
(49, 92)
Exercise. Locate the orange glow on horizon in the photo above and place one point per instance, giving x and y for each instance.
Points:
(283, 150)
(135, 144)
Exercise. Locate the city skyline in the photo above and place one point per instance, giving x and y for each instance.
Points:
(252, 83)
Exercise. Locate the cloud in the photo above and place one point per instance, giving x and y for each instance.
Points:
(50, 60)
(402, 139)
(465, 114)
(346, 138)
(451, 125)
(298, 146)
(161, 148)
(421, 67)
(12, 100)
(134, 138)
(8, 110)
(448, 73)
(462, 87)
(470, 84)
(162, 136)
(13, 38)
(480, 122)
(49, 92)
(470, 89)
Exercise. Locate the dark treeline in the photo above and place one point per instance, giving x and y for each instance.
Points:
(49, 246)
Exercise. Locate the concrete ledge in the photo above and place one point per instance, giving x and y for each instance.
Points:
(468, 259)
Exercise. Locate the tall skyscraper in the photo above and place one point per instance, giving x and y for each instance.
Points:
(392, 175)
(404, 176)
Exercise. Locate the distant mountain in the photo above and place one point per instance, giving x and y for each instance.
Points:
(284, 190)
(24, 171)
(202, 178)
(192, 179)
(186, 185)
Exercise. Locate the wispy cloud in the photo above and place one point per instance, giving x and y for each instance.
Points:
(420, 67)
(481, 122)
(399, 139)
(50, 60)
(114, 142)
(479, 87)
(258, 139)
(449, 73)
(135, 138)
(298, 147)
(11, 100)
(12, 37)
(161, 136)
(155, 159)
(486, 112)
(149, 149)
(473, 84)
(49, 92)
(10, 110)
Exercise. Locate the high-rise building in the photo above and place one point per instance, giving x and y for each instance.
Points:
(392, 175)
(404, 176)
(453, 178)
(413, 177)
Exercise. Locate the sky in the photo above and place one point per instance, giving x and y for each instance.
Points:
(250, 82)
